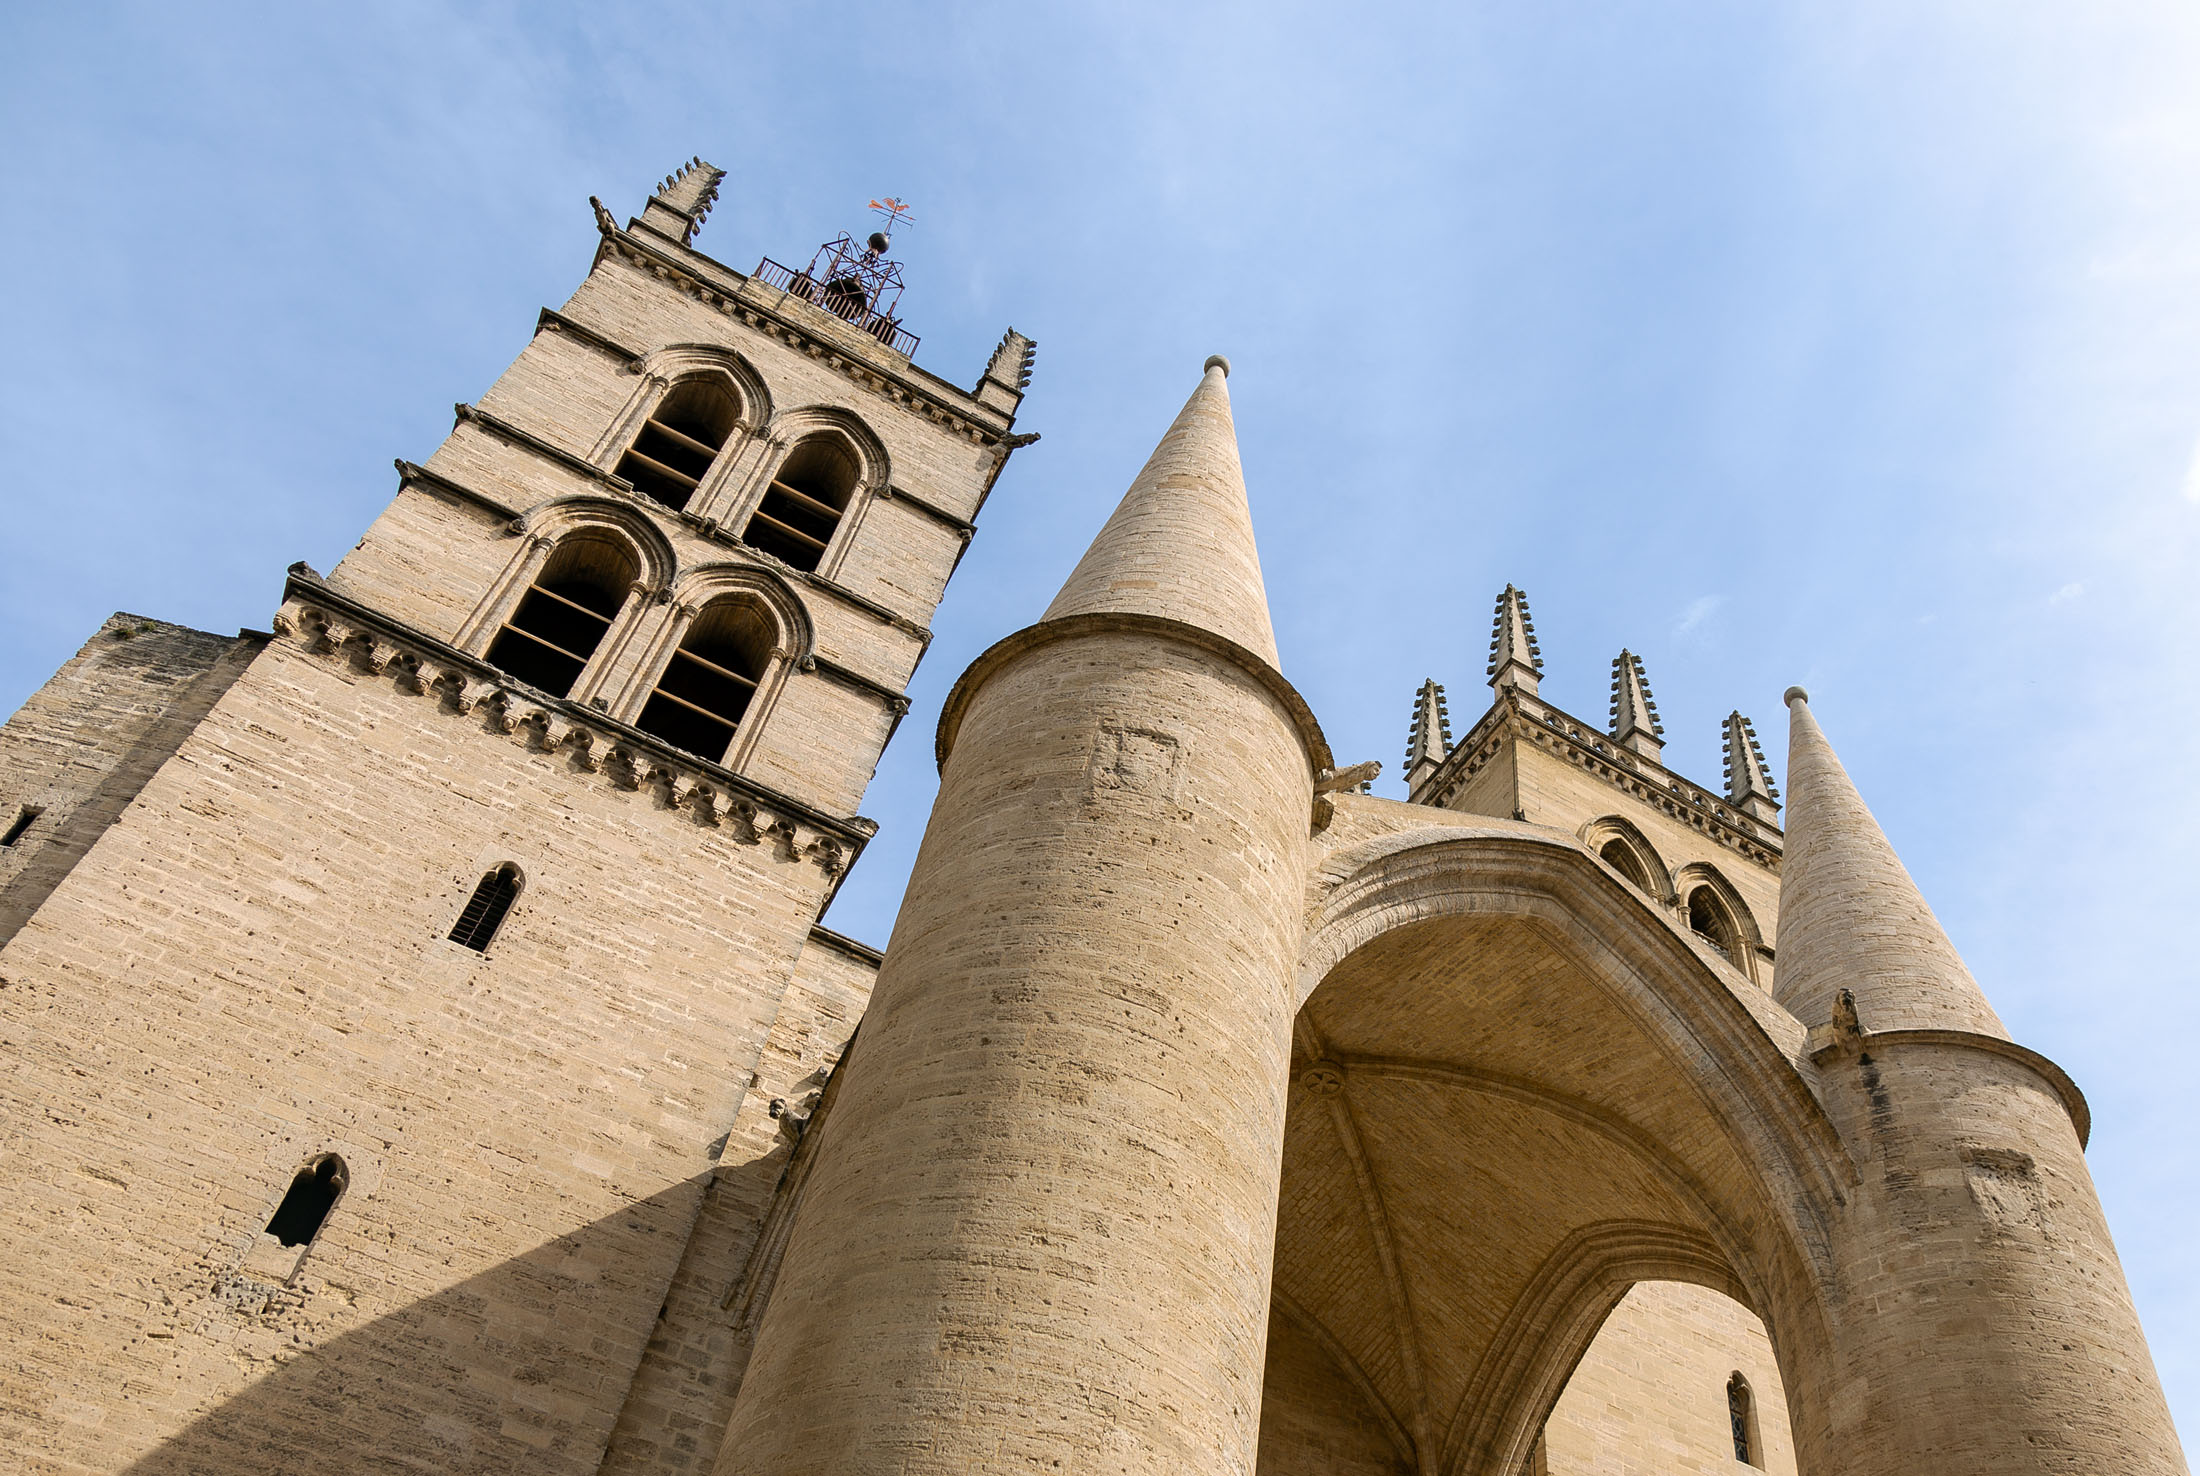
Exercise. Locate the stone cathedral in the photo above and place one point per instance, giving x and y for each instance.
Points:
(423, 1052)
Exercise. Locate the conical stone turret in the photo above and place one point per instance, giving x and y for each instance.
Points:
(1850, 916)
(1093, 968)
(1180, 544)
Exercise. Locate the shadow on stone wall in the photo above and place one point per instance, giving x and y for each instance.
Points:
(522, 1368)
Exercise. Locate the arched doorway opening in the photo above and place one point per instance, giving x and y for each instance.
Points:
(1517, 1093)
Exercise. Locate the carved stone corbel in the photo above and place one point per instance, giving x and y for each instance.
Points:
(742, 815)
(829, 854)
(785, 839)
(621, 768)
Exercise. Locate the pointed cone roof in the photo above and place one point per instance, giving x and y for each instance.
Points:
(1746, 773)
(1430, 738)
(1512, 642)
(1180, 543)
(1633, 708)
(1851, 917)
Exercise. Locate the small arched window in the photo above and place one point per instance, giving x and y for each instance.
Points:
(1621, 857)
(803, 505)
(707, 685)
(1709, 918)
(313, 1193)
(1741, 1413)
(484, 912)
(561, 619)
(679, 441)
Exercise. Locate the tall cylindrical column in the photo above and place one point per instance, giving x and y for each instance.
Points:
(1982, 1311)
(1042, 1240)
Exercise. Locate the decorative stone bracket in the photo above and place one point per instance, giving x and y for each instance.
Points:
(626, 758)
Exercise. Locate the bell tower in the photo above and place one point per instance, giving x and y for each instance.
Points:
(413, 997)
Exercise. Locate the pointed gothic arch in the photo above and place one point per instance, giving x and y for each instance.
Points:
(824, 467)
(1713, 908)
(756, 614)
(1622, 845)
(1521, 1189)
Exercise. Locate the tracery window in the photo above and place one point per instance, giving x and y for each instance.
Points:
(1742, 1416)
(484, 911)
(803, 506)
(678, 442)
(561, 619)
(708, 683)
(313, 1193)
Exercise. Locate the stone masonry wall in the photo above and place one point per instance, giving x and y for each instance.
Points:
(86, 742)
(1650, 1396)
(684, 1392)
(251, 968)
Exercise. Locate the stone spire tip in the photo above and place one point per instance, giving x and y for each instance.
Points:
(1794, 695)
(1180, 544)
(1216, 361)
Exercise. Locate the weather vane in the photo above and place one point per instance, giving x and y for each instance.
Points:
(895, 213)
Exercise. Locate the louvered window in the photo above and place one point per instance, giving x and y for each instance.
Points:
(484, 911)
(562, 617)
(679, 441)
(708, 684)
(802, 507)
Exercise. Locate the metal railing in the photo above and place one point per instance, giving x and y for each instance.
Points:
(848, 303)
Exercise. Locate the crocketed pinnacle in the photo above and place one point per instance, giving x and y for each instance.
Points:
(1634, 711)
(1851, 917)
(1515, 659)
(1180, 543)
(1429, 741)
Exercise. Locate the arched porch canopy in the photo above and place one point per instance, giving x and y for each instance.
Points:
(1518, 1089)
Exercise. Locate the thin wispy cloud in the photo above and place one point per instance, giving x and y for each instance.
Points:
(1698, 612)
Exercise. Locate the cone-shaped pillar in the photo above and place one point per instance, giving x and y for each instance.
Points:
(1180, 543)
(1850, 916)
(1041, 1233)
(1983, 1315)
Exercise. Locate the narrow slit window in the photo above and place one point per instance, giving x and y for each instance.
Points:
(25, 818)
(802, 507)
(1741, 1414)
(679, 441)
(708, 684)
(313, 1193)
(484, 913)
(562, 618)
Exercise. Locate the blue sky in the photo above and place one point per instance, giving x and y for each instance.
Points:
(1853, 345)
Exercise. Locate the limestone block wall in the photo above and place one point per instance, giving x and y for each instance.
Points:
(250, 968)
(86, 742)
(677, 1409)
(1651, 1393)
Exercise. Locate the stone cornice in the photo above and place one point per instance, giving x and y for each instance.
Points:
(324, 620)
(1106, 622)
(842, 943)
(767, 312)
(552, 321)
(498, 426)
(849, 677)
(962, 526)
(1523, 718)
(1830, 1043)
